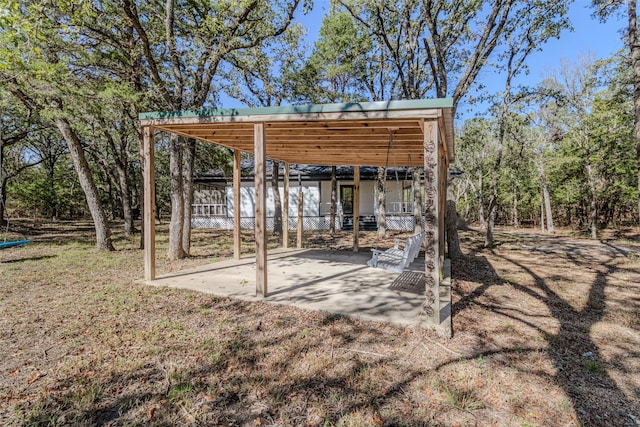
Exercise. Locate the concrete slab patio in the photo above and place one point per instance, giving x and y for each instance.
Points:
(334, 281)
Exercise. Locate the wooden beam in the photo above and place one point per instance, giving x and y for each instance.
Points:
(443, 139)
(416, 114)
(285, 209)
(343, 124)
(409, 159)
(149, 204)
(248, 145)
(356, 208)
(432, 222)
(302, 133)
(261, 211)
(221, 126)
(335, 132)
(237, 205)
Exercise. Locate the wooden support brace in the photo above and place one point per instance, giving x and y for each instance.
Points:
(285, 209)
(300, 218)
(432, 223)
(237, 206)
(356, 208)
(261, 212)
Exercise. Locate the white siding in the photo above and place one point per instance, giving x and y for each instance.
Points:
(367, 197)
(311, 192)
(394, 191)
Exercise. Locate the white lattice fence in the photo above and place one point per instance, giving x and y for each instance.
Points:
(401, 223)
(221, 223)
(309, 223)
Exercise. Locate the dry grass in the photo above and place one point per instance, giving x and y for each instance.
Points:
(546, 333)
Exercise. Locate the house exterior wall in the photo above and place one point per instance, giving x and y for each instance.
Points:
(367, 196)
(311, 206)
(394, 195)
(207, 194)
(317, 203)
(325, 197)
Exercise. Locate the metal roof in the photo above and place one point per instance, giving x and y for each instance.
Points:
(387, 133)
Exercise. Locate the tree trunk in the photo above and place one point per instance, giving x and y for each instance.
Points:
(515, 207)
(141, 196)
(418, 217)
(121, 156)
(634, 44)
(2, 186)
(117, 174)
(493, 201)
(275, 187)
(488, 240)
(502, 129)
(334, 201)
(103, 232)
(547, 206)
(453, 241)
(466, 206)
(53, 199)
(113, 214)
(593, 207)
(176, 224)
(542, 215)
(125, 194)
(188, 159)
(381, 200)
(546, 199)
(3, 201)
(481, 218)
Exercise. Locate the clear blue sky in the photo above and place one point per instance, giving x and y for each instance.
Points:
(589, 35)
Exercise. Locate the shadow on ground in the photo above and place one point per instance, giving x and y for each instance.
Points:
(580, 368)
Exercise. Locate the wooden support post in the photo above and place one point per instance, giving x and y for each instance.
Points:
(149, 204)
(432, 223)
(300, 218)
(285, 208)
(259, 151)
(237, 206)
(356, 208)
(442, 202)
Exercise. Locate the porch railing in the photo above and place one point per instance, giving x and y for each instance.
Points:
(399, 207)
(209, 210)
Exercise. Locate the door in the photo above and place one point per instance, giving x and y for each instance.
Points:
(346, 199)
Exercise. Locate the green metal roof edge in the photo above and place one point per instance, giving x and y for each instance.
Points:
(306, 108)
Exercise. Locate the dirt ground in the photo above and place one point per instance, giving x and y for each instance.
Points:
(546, 333)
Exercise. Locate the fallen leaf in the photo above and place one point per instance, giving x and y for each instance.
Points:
(376, 420)
(33, 378)
(14, 372)
(150, 412)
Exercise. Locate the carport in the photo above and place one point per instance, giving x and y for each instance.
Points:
(417, 133)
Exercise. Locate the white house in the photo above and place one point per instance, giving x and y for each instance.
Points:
(213, 198)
